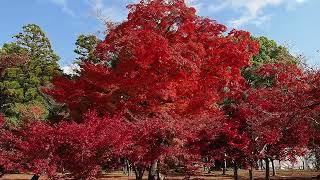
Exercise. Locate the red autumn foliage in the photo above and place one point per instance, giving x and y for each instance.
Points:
(9, 148)
(277, 117)
(81, 149)
(313, 80)
(159, 93)
(12, 60)
(166, 59)
(164, 64)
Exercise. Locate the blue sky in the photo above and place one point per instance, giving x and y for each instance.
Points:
(293, 23)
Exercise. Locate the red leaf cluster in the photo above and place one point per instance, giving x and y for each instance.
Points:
(166, 59)
(81, 149)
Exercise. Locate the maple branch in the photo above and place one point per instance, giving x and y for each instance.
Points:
(314, 120)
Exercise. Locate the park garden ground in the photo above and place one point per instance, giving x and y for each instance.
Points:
(216, 175)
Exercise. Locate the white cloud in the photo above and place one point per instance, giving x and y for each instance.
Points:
(71, 69)
(301, 1)
(108, 10)
(195, 3)
(63, 4)
(251, 11)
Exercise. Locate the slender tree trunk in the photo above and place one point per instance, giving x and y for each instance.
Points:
(127, 168)
(35, 177)
(138, 172)
(279, 164)
(224, 167)
(209, 169)
(124, 169)
(267, 169)
(153, 171)
(251, 172)
(2, 171)
(161, 176)
(235, 170)
(273, 168)
(303, 159)
(256, 165)
(261, 164)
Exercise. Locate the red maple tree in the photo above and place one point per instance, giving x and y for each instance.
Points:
(169, 85)
(166, 70)
(80, 149)
(277, 116)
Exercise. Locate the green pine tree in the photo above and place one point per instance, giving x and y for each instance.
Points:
(85, 48)
(29, 63)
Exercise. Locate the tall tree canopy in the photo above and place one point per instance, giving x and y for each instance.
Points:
(85, 48)
(167, 72)
(270, 53)
(167, 60)
(277, 86)
(27, 64)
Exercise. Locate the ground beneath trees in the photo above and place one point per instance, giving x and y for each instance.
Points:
(298, 175)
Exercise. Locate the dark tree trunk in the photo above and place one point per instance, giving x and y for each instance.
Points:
(153, 171)
(224, 164)
(127, 167)
(224, 168)
(35, 177)
(261, 164)
(317, 156)
(209, 169)
(256, 165)
(279, 164)
(138, 172)
(2, 171)
(160, 176)
(267, 168)
(273, 168)
(251, 172)
(235, 170)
